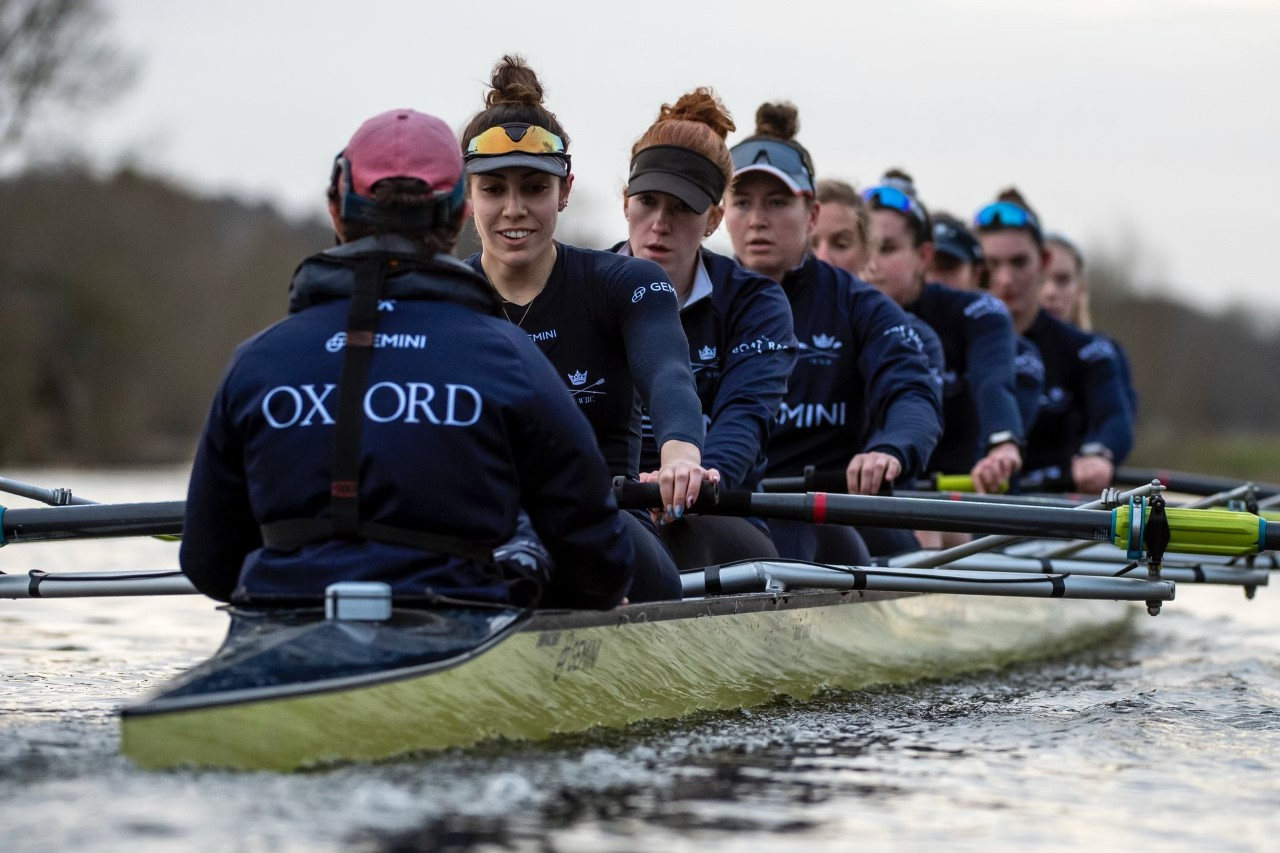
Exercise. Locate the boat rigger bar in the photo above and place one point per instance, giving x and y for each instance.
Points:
(780, 575)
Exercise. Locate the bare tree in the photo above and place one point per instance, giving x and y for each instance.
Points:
(54, 52)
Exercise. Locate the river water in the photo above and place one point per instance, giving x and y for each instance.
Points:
(1166, 739)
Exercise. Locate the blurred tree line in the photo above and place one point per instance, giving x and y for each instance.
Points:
(122, 298)
(120, 302)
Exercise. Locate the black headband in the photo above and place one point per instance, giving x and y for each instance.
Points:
(678, 171)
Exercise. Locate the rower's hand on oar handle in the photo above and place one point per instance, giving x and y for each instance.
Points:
(1091, 473)
(646, 494)
(992, 472)
(680, 478)
(868, 472)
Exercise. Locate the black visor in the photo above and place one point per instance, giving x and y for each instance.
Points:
(677, 171)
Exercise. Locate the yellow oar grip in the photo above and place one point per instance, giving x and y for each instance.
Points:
(959, 483)
(1217, 532)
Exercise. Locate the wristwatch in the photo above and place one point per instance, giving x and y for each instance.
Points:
(1004, 436)
(1097, 448)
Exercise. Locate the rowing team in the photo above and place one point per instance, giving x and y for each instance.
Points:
(450, 427)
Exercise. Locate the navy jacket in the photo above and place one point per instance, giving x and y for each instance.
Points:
(741, 349)
(979, 390)
(1126, 373)
(860, 383)
(464, 425)
(1028, 373)
(1084, 400)
(610, 325)
(930, 345)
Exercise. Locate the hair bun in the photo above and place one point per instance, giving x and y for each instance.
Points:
(780, 120)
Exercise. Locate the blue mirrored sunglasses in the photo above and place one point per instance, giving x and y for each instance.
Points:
(1006, 214)
(892, 198)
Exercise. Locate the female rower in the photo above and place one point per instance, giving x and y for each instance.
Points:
(957, 254)
(842, 233)
(845, 237)
(842, 215)
(394, 427)
(610, 324)
(1085, 427)
(957, 263)
(738, 323)
(1066, 296)
(859, 398)
(982, 428)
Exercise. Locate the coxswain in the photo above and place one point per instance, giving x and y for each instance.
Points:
(395, 427)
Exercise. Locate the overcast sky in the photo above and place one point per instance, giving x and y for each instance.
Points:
(1150, 126)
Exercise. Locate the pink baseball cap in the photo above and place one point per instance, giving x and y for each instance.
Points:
(403, 144)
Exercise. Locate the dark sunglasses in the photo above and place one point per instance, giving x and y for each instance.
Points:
(775, 153)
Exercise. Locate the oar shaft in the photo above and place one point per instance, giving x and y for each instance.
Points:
(975, 497)
(835, 482)
(38, 584)
(918, 514)
(1193, 484)
(90, 521)
(1196, 531)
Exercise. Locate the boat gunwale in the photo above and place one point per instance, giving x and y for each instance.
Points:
(539, 621)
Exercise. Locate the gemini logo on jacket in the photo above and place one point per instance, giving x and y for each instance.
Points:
(861, 382)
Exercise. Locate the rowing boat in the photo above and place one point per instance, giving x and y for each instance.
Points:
(304, 688)
(297, 690)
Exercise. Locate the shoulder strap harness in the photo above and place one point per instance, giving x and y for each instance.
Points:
(344, 490)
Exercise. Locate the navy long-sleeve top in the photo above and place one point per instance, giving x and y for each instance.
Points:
(610, 325)
(931, 346)
(741, 348)
(464, 425)
(860, 383)
(980, 387)
(1084, 400)
(1028, 372)
(1126, 373)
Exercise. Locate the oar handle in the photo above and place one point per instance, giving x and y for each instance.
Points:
(711, 501)
(835, 482)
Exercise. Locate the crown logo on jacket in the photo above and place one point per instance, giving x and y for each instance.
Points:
(578, 377)
(707, 353)
(826, 342)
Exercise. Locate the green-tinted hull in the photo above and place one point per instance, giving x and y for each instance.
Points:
(566, 672)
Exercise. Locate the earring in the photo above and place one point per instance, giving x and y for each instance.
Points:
(564, 204)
